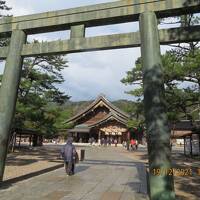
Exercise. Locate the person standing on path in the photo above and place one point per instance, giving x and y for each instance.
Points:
(133, 144)
(68, 153)
(136, 144)
(115, 141)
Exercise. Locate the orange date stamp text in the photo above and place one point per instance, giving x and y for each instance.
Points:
(172, 171)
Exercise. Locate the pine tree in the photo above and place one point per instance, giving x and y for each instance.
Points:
(181, 76)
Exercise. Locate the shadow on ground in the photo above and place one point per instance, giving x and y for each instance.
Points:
(80, 168)
(8, 183)
(29, 155)
(187, 187)
(20, 162)
(112, 163)
(190, 186)
(139, 187)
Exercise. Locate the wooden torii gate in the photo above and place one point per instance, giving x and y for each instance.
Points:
(77, 20)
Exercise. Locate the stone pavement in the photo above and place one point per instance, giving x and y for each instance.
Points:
(106, 174)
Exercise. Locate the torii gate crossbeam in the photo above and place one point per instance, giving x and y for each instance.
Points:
(77, 20)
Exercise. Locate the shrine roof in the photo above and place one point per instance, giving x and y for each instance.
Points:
(110, 116)
(101, 99)
(180, 134)
(185, 125)
(85, 128)
(80, 128)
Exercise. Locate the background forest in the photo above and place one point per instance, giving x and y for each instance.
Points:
(43, 107)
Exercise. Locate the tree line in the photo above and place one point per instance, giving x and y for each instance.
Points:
(38, 89)
(41, 104)
(181, 71)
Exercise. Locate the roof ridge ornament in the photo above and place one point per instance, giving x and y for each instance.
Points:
(102, 95)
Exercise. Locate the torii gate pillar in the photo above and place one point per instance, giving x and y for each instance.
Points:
(8, 92)
(158, 133)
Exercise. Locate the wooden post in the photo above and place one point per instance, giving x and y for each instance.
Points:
(19, 144)
(191, 146)
(8, 92)
(199, 142)
(184, 147)
(99, 138)
(30, 140)
(14, 142)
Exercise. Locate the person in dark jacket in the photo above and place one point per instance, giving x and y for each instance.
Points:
(68, 153)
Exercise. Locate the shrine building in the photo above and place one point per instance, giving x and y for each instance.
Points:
(101, 119)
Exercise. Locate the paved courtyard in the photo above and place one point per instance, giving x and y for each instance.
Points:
(106, 174)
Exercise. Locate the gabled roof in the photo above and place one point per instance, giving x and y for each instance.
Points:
(108, 117)
(114, 110)
(182, 125)
(85, 128)
(180, 134)
(185, 125)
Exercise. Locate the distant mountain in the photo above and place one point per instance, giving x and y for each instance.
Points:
(71, 108)
(125, 105)
(76, 106)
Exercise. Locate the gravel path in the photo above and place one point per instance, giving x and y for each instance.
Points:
(39, 160)
(105, 174)
(26, 161)
(186, 187)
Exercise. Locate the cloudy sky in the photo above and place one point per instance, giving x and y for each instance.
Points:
(91, 73)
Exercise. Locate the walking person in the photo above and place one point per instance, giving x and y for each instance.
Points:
(93, 141)
(90, 141)
(105, 142)
(136, 144)
(115, 141)
(133, 144)
(102, 141)
(68, 153)
(128, 144)
(109, 141)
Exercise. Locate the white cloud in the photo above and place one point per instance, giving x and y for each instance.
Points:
(23, 7)
(89, 73)
(52, 36)
(2, 66)
(112, 29)
(19, 7)
(99, 72)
